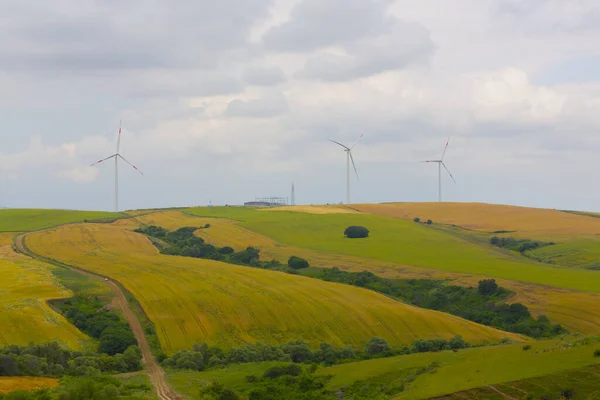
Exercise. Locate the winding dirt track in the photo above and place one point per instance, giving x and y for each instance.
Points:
(154, 371)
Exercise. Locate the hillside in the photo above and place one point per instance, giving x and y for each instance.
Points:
(25, 317)
(22, 220)
(191, 300)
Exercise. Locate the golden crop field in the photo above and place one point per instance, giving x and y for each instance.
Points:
(25, 317)
(11, 383)
(577, 311)
(193, 300)
(538, 223)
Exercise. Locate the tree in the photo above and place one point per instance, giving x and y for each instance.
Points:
(429, 222)
(226, 250)
(417, 219)
(116, 339)
(297, 262)
(356, 232)
(487, 287)
(376, 345)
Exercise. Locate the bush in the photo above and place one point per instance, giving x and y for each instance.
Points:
(376, 346)
(276, 372)
(356, 232)
(487, 287)
(226, 250)
(527, 347)
(417, 219)
(297, 262)
(567, 394)
(429, 222)
(597, 353)
(206, 226)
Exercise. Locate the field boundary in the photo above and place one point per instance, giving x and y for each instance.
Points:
(154, 370)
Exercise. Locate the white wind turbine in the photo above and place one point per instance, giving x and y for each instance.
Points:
(441, 164)
(349, 158)
(116, 156)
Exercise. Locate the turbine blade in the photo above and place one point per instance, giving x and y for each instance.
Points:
(353, 165)
(119, 138)
(134, 167)
(449, 173)
(104, 159)
(445, 148)
(344, 146)
(357, 140)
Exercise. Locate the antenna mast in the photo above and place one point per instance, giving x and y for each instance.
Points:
(293, 203)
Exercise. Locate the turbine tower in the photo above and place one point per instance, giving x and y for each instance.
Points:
(349, 158)
(293, 203)
(116, 156)
(441, 164)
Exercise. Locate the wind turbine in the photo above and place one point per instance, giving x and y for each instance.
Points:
(441, 164)
(349, 158)
(116, 156)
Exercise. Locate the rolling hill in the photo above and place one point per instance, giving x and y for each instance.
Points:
(192, 300)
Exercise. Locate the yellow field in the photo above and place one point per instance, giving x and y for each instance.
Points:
(24, 288)
(578, 311)
(313, 209)
(11, 383)
(192, 300)
(536, 222)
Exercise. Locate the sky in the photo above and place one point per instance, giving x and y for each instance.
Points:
(222, 102)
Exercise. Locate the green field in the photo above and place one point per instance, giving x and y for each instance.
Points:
(467, 369)
(583, 382)
(457, 371)
(403, 242)
(578, 254)
(25, 220)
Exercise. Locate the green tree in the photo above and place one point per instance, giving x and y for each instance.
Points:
(116, 339)
(356, 232)
(376, 346)
(487, 287)
(297, 262)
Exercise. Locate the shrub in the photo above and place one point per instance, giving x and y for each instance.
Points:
(226, 250)
(567, 394)
(429, 222)
(376, 345)
(297, 262)
(487, 287)
(356, 232)
(417, 219)
(597, 353)
(206, 226)
(527, 347)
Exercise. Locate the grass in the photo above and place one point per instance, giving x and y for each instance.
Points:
(470, 368)
(584, 253)
(25, 220)
(583, 382)
(402, 242)
(11, 383)
(25, 288)
(192, 300)
(233, 376)
(578, 311)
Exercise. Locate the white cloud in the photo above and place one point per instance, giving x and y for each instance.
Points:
(79, 174)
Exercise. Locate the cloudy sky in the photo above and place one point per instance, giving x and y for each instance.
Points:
(229, 100)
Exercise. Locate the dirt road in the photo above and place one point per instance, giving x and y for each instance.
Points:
(154, 371)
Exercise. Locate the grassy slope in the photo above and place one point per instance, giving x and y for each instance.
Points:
(21, 220)
(576, 310)
(191, 300)
(584, 382)
(467, 369)
(403, 242)
(25, 287)
(11, 383)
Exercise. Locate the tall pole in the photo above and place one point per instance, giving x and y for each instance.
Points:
(347, 176)
(439, 181)
(116, 184)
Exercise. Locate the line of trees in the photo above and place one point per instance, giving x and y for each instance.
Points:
(518, 245)
(202, 356)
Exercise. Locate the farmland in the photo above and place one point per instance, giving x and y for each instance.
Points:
(455, 371)
(10, 383)
(22, 220)
(25, 287)
(403, 242)
(576, 310)
(193, 300)
(468, 368)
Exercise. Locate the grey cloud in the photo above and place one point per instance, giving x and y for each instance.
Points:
(316, 23)
(266, 107)
(263, 76)
(74, 35)
(406, 45)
